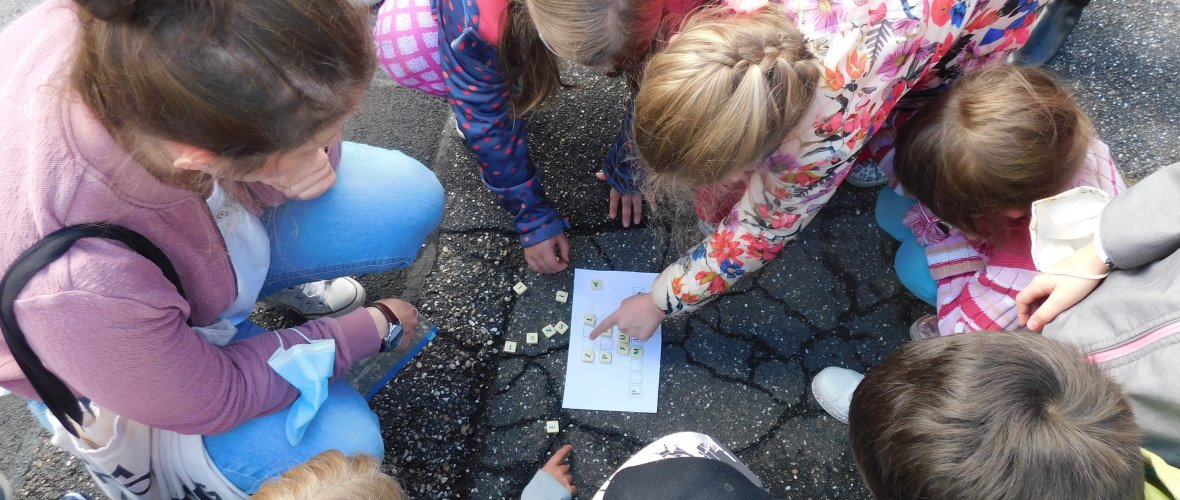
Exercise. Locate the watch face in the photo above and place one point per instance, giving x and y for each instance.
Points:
(394, 336)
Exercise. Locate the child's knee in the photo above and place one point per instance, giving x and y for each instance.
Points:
(890, 213)
(354, 427)
(428, 197)
(431, 191)
(914, 272)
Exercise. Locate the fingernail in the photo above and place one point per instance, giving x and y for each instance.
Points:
(1034, 325)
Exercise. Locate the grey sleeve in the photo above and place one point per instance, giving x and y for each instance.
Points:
(1143, 224)
(544, 487)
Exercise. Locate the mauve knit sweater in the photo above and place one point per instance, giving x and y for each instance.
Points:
(103, 318)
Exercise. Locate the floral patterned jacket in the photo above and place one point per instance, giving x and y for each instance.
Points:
(873, 52)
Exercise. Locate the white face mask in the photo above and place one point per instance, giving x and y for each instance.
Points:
(307, 367)
(219, 334)
(1062, 224)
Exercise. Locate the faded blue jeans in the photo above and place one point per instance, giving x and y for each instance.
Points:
(375, 218)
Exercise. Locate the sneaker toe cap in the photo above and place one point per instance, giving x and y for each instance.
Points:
(832, 388)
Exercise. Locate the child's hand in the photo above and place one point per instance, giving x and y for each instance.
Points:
(560, 470)
(406, 314)
(637, 316)
(631, 204)
(1050, 294)
(302, 174)
(549, 256)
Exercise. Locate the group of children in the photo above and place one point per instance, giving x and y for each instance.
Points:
(759, 109)
(1013, 414)
(773, 101)
(1019, 414)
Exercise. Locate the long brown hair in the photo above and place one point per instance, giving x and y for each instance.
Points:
(532, 71)
(1000, 138)
(243, 79)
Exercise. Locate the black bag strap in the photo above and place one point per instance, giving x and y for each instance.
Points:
(53, 392)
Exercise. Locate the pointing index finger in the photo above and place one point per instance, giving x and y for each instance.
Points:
(603, 327)
(560, 455)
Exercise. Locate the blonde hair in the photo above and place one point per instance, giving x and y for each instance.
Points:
(333, 476)
(597, 33)
(1000, 138)
(724, 94)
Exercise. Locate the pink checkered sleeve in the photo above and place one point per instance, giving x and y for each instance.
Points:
(406, 35)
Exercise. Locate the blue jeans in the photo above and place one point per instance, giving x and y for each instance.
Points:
(910, 261)
(375, 219)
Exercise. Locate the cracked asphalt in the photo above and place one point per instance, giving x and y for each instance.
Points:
(465, 420)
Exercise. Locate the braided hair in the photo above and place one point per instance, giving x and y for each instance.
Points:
(723, 95)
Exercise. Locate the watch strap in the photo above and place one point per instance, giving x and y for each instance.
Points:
(392, 342)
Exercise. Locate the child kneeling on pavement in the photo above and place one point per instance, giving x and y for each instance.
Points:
(976, 158)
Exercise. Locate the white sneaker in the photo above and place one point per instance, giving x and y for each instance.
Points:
(320, 298)
(832, 388)
(5, 488)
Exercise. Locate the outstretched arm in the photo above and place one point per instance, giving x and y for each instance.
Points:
(480, 99)
(621, 173)
(779, 202)
(1131, 233)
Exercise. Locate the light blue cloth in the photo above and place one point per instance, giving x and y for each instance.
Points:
(375, 218)
(910, 261)
(307, 367)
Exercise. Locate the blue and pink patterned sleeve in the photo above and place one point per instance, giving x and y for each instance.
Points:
(622, 172)
(480, 99)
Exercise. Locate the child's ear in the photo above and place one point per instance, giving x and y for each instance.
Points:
(1014, 213)
(186, 157)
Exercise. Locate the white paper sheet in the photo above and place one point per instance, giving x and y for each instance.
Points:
(631, 381)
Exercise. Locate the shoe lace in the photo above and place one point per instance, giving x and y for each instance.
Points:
(311, 293)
